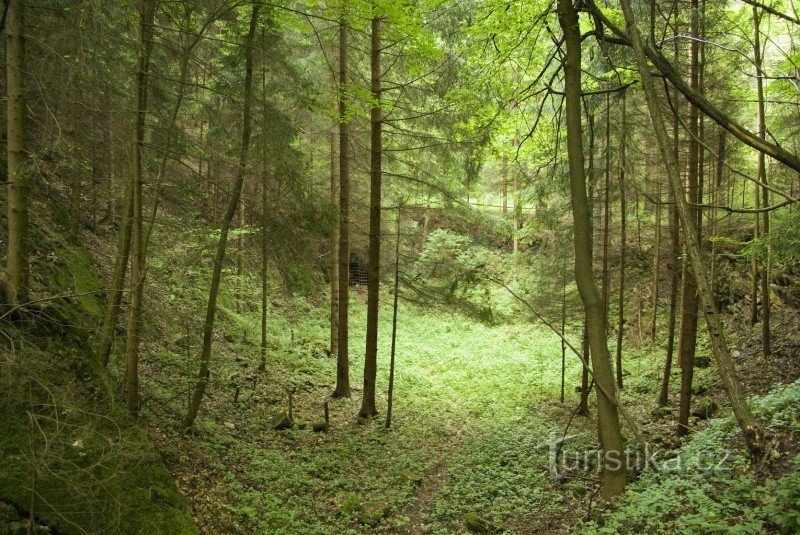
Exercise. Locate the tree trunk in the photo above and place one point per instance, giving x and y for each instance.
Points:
(656, 265)
(17, 261)
(334, 339)
(725, 367)
(687, 343)
(342, 389)
(240, 259)
(614, 470)
(607, 214)
(114, 294)
(504, 185)
(715, 201)
(675, 244)
(623, 209)
(264, 204)
(368, 408)
(583, 405)
(137, 242)
(390, 393)
(762, 176)
(233, 203)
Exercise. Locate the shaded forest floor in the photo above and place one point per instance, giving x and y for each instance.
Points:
(472, 405)
(475, 406)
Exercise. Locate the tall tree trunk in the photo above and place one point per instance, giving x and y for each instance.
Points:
(148, 9)
(342, 389)
(656, 264)
(754, 271)
(762, 176)
(233, 203)
(583, 405)
(334, 339)
(715, 201)
(722, 355)
(17, 261)
(563, 330)
(123, 245)
(240, 259)
(687, 343)
(504, 185)
(674, 238)
(614, 470)
(264, 204)
(390, 393)
(623, 209)
(515, 185)
(607, 214)
(114, 293)
(368, 408)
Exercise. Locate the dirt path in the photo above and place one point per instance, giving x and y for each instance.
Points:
(427, 493)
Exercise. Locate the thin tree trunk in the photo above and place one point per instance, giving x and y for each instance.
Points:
(342, 389)
(240, 259)
(368, 408)
(607, 214)
(656, 265)
(676, 266)
(17, 261)
(504, 185)
(137, 242)
(623, 209)
(563, 329)
(233, 203)
(715, 201)
(583, 405)
(390, 393)
(334, 339)
(264, 204)
(614, 470)
(762, 176)
(114, 294)
(687, 343)
(722, 355)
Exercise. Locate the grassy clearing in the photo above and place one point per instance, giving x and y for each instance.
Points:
(472, 402)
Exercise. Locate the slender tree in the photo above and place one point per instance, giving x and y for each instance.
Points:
(614, 471)
(334, 341)
(368, 408)
(148, 9)
(623, 209)
(766, 334)
(656, 264)
(342, 389)
(687, 342)
(725, 367)
(395, 297)
(233, 204)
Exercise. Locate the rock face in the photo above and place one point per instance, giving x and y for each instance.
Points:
(705, 410)
(281, 422)
(476, 524)
(96, 471)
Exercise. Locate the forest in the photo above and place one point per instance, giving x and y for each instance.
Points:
(400, 266)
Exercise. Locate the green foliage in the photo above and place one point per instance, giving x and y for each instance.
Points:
(452, 269)
(785, 511)
(783, 239)
(709, 487)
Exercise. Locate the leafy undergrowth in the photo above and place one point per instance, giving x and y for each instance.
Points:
(709, 485)
(472, 404)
